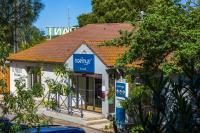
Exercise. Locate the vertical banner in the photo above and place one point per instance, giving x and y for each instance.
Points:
(121, 92)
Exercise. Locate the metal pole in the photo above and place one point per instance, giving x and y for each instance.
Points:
(68, 103)
(48, 98)
(70, 98)
(81, 108)
(94, 89)
(59, 107)
(86, 92)
(77, 92)
(56, 98)
(68, 17)
(71, 111)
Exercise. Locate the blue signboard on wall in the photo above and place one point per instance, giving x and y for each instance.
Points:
(84, 63)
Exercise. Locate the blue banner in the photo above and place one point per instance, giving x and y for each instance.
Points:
(84, 63)
(120, 116)
(121, 90)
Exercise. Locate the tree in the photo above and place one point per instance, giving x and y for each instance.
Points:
(167, 42)
(113, 11)
(16, 18)
(23, 107)
(30, 36)
(4, 47)
(22, 104)
(162, 37)
(17, 14)
(85, 19)
(4, 52)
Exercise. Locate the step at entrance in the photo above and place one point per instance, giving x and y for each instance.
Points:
(95, 122)
(90, 119)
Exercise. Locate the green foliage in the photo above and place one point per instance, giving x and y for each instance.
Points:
(22, 106)
(58, 88)
(4, 47)
(113, 11)
(167, 41)
(59, 85)
(62, 71)
(3, 85)
(85, 19)
(138, 98)
(4, 53)
(37, 70)
(52, 104)
(15, 128)
(37, 90)
(27, 11)
(137, 129)
(17, 16)
(169, 30)
(30, 36)
(111, 93)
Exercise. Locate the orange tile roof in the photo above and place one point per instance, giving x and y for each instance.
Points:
(107, 54)
(58, 50)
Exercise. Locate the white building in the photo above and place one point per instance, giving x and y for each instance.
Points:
(92, 65)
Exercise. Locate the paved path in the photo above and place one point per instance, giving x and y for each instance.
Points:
(65, 123)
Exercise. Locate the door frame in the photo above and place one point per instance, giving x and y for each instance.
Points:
(77, 91)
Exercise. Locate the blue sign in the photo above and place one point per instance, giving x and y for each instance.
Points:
(83, 63)
(120, 116)
(121, 90)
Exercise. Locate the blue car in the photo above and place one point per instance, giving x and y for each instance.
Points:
(5, 125)
(57, 129)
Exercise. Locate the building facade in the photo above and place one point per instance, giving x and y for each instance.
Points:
(92, 65)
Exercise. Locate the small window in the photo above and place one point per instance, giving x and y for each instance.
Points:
(34, 76)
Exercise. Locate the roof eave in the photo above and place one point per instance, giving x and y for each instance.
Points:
(36, 61)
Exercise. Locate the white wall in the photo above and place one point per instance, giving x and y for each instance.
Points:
(100, 68)
(47, 72)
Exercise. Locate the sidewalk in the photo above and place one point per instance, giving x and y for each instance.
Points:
(65, 123)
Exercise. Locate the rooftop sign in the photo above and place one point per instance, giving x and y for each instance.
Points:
(57, 31)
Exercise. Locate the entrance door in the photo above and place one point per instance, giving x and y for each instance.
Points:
(89, 89)
(89, 94)
(98, 95)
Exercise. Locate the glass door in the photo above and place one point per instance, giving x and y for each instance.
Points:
(89, 93)
(90, 90)
(98, 95)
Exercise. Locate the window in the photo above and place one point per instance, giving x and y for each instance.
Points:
(34, 76)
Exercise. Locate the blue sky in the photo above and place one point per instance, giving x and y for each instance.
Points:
(55, 12)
